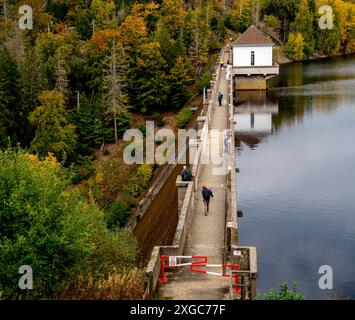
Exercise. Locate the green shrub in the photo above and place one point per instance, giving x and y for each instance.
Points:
(133, 189)
(52, 228)
(283, 293)
(183, 118)
(83, 169)
(231, 21)
(204, 81)
(160, 123)
(145, 173)
(140, 181)
(118, 216)
(156, 116)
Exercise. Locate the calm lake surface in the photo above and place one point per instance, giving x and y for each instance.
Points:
(296, 154)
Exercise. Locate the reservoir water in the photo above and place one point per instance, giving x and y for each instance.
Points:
(296, 186)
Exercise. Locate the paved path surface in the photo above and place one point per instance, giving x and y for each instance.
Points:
(206, 235)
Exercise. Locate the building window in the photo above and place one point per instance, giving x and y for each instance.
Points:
(253, 58)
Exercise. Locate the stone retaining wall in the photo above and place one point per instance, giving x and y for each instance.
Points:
(150, 196)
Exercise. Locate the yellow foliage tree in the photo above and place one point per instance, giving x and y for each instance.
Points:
(295, 46)
(103, 10)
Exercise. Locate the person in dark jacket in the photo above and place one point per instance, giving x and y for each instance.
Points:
(186, 174)
(220, 98)
(206, 195)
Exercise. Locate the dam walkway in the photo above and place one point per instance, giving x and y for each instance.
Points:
(206, 236)
(225, 270)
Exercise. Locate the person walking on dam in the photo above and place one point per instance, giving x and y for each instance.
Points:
(220, 99)
(206, 195)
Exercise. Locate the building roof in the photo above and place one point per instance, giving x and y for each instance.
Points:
(252, 36)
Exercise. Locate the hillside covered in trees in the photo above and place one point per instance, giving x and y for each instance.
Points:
(71, 86)
(89, 62)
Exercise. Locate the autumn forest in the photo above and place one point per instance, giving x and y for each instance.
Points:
(72, 85)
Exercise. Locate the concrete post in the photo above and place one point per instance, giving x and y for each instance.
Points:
(253, 271)
(206, 104)
(212, 84)
(200, 123)
(181, 188)
(193, 148)
(209, 95)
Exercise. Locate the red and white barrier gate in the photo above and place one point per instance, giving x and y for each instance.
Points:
(198, 264)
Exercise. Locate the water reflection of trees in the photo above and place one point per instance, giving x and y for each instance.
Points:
(292, 110)
(305, 87)
(297, 105)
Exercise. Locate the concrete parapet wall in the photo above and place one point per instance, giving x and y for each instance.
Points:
(181, 189)
(185, 218)
(177, 248)
(247, 261)
(196, 168)
(152, 272)
(203, 140)
(231, 199)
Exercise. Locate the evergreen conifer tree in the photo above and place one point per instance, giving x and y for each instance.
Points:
(9, 92)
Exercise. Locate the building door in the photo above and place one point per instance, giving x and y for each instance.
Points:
(252, 58)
